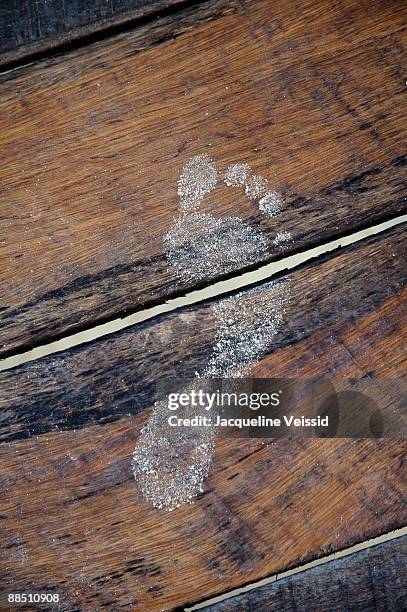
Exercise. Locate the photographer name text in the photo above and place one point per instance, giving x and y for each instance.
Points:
(240, 423)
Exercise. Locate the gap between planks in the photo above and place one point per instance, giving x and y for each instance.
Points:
(111, 29)
(392, 535)
(194, 297)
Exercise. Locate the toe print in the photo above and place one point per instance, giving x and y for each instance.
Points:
(271, 203)
(256, 188)
(171, 464)
(281, 238)
(198, 178)
(199, 245)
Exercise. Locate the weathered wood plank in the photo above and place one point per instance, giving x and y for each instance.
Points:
(93, 143)
(32, 27)
(74, 519)
(371, 580)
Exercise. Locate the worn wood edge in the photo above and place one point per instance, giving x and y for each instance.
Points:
(320, 562)
(263, 597)
(191, 14)
(177, 15)
(83, 35)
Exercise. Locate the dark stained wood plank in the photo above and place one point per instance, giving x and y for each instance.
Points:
(74, 519)
(32, 27)
(93, 143)
(371, 580)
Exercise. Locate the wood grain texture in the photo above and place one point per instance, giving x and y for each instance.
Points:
(93, 142)
(32, 27)
(345, 315)
(74, 520)
(371, 580)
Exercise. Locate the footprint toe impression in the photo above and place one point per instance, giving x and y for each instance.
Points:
(199, 245)
(170, 464)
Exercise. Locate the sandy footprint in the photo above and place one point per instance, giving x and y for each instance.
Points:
(200, 245)
(171, 464)
(256, 188)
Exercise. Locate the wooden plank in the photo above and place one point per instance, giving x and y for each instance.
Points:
(370, 580)
(93, 143)
(34, 27)
(74, 518)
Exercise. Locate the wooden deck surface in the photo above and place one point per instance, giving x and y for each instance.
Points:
(93, 140)
(93, 143)
(70, 423)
